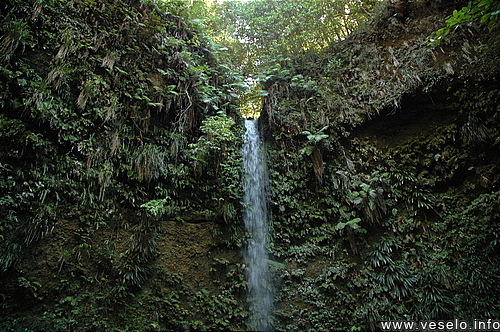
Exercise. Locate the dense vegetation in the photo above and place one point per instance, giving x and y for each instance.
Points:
(117, 126)
(385, 182)
(263, 32)
(120, 161)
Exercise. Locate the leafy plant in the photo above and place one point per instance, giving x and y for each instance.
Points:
(481, 11)
(17, 33)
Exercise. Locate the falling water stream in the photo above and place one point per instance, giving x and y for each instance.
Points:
(255, 185)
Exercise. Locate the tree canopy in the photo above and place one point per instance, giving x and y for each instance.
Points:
(260, 31)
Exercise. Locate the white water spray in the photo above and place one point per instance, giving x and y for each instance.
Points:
(255, 185)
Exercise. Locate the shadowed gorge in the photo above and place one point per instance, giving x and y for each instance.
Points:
(131, 199)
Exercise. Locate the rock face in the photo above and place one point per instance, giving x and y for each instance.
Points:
(120, 173)
(120, 203)
(404, 216)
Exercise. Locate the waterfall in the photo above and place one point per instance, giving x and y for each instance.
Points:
(255, 185)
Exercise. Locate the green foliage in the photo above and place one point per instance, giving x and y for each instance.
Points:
(157, 207)
(16, 33)
(217, 134)
(480, 11)
(10, 254)
(216, 155)
(149, 162)
(98, 103)
(119, 118)
(264, 30)
(251, 102)
(387, 233)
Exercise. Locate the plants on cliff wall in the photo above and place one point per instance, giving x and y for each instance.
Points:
(477, 11)
(217, 133)
(16, 33)
(412, 262)
(387, 233)
(99, 102)
(117, 121)
(215, 155)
